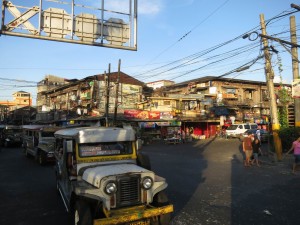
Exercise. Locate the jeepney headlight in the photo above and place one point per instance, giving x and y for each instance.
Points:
(147, 183)
(110, 188)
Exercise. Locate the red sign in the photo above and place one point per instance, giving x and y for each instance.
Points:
(141, 114)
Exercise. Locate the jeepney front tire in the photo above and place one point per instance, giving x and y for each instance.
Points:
(161, 199)
(81, 214)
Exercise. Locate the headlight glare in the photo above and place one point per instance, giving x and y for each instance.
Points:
(110, 188)
(147, 183)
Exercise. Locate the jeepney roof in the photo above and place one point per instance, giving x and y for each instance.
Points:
(33, 127)
(97, 134)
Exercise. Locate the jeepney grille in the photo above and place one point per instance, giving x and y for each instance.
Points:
(128, 191)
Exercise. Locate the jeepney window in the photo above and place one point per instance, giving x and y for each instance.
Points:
(103, 149)
(59, 148)
(47, 134)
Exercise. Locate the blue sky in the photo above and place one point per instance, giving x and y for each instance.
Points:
(174, 37)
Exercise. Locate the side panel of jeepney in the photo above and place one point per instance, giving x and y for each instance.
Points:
(61, 155)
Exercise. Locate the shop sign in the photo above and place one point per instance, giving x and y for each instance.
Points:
(141, 114)
(166, 115)
(147, 124)
(175, 123)
(154, 115)
(136, 114)
(163, 124)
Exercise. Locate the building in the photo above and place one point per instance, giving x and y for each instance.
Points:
(94, 96)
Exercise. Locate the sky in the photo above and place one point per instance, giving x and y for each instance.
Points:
(177, 40)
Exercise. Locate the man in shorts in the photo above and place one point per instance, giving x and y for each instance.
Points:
(247, 149)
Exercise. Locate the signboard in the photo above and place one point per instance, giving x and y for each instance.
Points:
(296, 88)
(106, 24)
(141, 114)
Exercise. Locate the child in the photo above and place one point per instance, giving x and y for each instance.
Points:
(256, 149)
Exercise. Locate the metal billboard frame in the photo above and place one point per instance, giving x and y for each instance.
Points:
(72, 22)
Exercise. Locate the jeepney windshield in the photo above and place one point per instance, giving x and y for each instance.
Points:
(104, 149)
(47, 134)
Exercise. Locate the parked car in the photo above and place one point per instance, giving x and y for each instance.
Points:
(10, 135)
(38, 141)
(236, 130)
(103, 180)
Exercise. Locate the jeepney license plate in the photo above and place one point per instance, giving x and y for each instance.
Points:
(144, 222)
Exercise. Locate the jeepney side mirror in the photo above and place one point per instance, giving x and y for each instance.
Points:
(69, 146)
(139, 143)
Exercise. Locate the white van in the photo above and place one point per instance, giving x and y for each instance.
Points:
(235, 130)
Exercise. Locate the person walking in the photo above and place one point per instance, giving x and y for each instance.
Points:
(256, 150)
(247, 149)
(296, 148)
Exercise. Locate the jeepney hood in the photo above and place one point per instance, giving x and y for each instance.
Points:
(96, 174)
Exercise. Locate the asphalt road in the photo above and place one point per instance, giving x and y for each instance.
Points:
(208, 184)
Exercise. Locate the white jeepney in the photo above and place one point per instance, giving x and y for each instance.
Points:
(102, 179)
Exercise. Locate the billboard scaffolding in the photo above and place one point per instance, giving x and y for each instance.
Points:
(104, 23)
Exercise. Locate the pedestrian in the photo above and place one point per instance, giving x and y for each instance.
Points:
(256, 150)
(247, 149)
(258, 133)
(296, 148)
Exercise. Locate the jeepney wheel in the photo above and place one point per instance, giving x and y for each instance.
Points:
(41, 158)
(82, 213)
(161, 199)
(6, 144)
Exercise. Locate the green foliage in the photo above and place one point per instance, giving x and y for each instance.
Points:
(288, 135)
(283, 117)
(285, 97)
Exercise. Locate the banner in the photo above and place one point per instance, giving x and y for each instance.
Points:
(141, 114)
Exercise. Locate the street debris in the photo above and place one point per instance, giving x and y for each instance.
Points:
(267, 212)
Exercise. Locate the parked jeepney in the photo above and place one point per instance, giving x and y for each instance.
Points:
(10, 135)
(38, 141)
(103, 180)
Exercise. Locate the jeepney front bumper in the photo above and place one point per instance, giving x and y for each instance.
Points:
(133, 215)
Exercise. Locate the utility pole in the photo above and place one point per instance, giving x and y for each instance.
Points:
(107, 81)
(295, 65)
(117, 93)
(270, 85)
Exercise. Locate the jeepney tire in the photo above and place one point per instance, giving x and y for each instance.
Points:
(143, 161)
(161, 199)
(6, 144)
(81, 214)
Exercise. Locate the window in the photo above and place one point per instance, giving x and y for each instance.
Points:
(230, 90)
(167, 102)
(249, 94)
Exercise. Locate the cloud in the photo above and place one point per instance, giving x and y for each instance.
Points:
(145, 7)
(152, 7)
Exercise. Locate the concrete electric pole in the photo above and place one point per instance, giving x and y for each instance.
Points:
(295, 64)
(270, 86)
